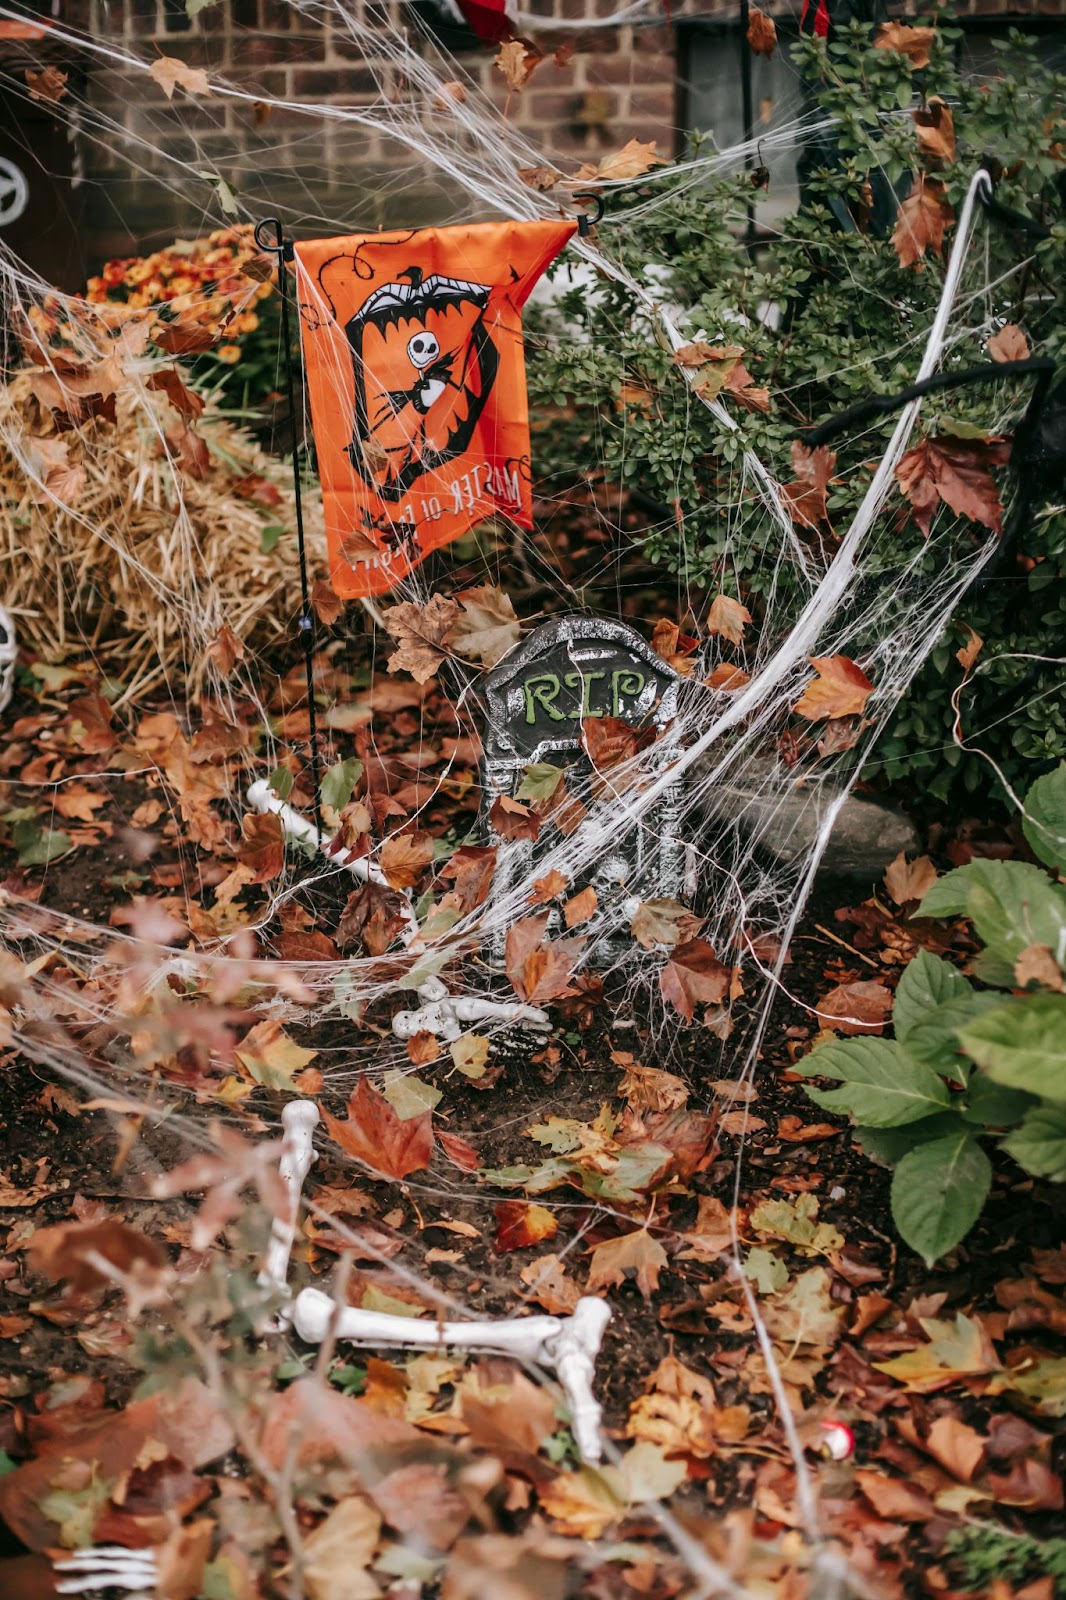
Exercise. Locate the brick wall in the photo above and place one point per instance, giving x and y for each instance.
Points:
(618, 84)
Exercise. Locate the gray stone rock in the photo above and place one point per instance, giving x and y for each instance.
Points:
(783, 816)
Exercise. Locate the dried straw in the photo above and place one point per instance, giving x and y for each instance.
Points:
(150, 561)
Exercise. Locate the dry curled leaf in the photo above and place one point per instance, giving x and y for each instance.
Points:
(404, 858)
(225, 650)
(637, 1253)
(327, 602)
(517, 61)
(908, 880)
(632, 161)
(935, 127)
(171, 74)
(852, 1008)
(694, 976)
(914, 43)
(841, 689)
(762, 33)
(487, 626)
(1009, 344)
(262, 846)
(539, 969)
(806, 494)
(421, 633)
(728, 618)
(957, 472)
(921, 222)
(967, 654)
(376, 1135)
(49, 85)
(520, 1224)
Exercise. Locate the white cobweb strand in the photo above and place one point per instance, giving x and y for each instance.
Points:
(482, 158)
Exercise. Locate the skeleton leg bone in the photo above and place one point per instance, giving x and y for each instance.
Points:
(299, 1119)
(568, 1345)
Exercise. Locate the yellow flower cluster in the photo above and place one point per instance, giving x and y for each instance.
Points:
(201, 280)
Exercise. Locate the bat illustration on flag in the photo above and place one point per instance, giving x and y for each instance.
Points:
(416, 374)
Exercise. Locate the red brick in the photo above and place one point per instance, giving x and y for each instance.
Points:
(638, 67)
(319, 83)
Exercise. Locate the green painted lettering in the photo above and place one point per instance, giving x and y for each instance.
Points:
(542, 691)
(585, 680)
(624, 681)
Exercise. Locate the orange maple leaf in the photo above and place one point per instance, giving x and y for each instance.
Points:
(841, 689)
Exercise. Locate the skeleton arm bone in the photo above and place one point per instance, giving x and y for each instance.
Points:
(567, 1345)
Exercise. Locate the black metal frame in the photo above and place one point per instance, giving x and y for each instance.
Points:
(270, 238)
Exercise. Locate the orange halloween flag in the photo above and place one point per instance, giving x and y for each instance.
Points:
(415, 367)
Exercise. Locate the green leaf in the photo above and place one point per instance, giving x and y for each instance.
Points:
(993, 1105)
(927, 982)
(270, 532)
(1023, 1044)
(767, 1272)
(1039, 1145)
(938, 1190)
(880, 1085)
(539, 782)
(889, 1145)
(1012, 905)
(38, 846)
(338, 783)
(194, 7)
(224, 194)
(281, 781)
(1044, 1384)
(1044, 820)
(933, 1039)
(408, 1095)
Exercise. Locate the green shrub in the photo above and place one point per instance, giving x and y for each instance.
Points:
(612, 407)
(966, 1062)
(981, 1554)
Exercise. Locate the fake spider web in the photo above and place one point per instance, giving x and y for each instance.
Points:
(876, 603)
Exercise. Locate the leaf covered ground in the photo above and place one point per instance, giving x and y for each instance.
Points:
(141, 1403)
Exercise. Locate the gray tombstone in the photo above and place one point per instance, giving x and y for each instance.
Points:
(567, 670)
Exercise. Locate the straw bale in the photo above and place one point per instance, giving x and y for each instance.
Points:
(149, 561)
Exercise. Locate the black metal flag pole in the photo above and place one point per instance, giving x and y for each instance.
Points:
(270, 238)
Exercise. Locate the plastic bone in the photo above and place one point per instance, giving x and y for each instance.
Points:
(450, 1016)
(567, 1345)
(299, 1119)
(262, 797)
(107, 1566)
(440, 1013)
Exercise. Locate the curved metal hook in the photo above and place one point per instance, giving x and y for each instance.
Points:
(272, 243)
(588, 218)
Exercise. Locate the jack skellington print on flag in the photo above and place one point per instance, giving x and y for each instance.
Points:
(415, 366)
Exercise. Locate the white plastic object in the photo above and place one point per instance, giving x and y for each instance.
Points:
(107, 1566)
(449, 1016)
(838, 1440)
(262, 797)
(566, 1345)
(9, 649)
(299, 1119)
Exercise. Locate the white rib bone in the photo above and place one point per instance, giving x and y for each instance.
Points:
(108, 1566)
(568, 1345)
(262, 797)
(299, 1119)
